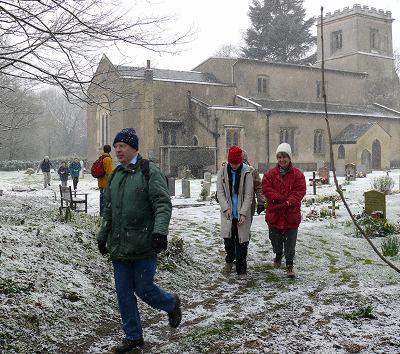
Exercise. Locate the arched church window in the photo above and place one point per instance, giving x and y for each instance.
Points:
(318, 141)
(286, 135)
(341, 152)
(195, 141)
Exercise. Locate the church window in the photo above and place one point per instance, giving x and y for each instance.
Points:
(374, 39)
(319, 89)
(336, 40)
(318, 141)
(262, 85)
(286, 135)
(232, 137)
(195, 141)
(104, 129)
(341, 152)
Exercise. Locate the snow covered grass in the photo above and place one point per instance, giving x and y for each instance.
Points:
(56, 291)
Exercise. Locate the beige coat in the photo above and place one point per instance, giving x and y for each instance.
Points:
(245, 198)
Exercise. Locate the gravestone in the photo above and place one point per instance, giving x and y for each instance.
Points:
(350, 171)
(340, 170)
(323, 174)
(361, 171)
(375, 201)
(207, 177)
(207, 188)
(171, 186)
(186, 188)
(333, 207)
(314, 183)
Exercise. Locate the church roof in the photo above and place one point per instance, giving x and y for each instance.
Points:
(168, 75)
(352, 133)
(374, 110)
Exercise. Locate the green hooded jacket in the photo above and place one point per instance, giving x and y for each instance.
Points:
(135, 209)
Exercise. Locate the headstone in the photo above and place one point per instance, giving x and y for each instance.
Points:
(186, 188)
(171, 186)
(314, 183)
(339, 166)
(361, 171)
(323, 174)
(333, 207)
(207, 188)
(207, 177)
(350, 171)
(375, 201)
(320, 164)
(82, 171)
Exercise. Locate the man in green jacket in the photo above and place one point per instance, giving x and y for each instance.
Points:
(134, 229)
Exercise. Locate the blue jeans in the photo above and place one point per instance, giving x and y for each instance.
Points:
(102, 200)
(137, 277)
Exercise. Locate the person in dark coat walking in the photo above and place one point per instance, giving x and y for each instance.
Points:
(74, 168)
(284, 186)
(63, 173)
(134, 229)
(45, 166)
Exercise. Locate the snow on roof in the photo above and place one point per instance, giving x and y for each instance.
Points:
(373, 110)
(352, 133)
(168, 75)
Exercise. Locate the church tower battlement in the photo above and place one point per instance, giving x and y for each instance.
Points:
(358, 39)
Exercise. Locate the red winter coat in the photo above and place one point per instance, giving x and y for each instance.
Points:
(284, 195)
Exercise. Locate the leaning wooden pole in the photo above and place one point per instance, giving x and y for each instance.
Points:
(381, 256)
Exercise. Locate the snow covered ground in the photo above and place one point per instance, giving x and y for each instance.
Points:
(57, 296)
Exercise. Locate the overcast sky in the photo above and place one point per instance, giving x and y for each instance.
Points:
(218, 22)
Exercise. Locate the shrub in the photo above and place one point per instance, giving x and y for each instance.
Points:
(376, 227)
(383, 184)
(390, 246)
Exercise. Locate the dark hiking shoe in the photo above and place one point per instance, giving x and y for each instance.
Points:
(290, 272)
(129, 344)
(175, 317)
(277, 262)
(242, 276)
(227, 268)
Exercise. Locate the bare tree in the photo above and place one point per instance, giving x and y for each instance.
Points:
(228, 51)
(57, 42)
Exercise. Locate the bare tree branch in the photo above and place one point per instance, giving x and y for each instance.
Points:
(58, 42)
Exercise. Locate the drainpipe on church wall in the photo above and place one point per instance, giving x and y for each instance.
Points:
(268, 115)
(216, 136)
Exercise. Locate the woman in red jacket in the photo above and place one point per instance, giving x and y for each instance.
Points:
(284, 186)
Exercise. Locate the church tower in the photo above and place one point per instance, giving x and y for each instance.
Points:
(358, 39)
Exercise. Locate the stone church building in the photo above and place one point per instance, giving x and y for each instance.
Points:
(190, 118)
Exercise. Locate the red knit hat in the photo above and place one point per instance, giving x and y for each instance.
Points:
(235, 155)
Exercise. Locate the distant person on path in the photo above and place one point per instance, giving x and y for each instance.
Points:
(63, 173)
(74, 168)
(284, 186)
(258, 196)
(102, 181)
(45, 166)
(235, 195)
(135, 227)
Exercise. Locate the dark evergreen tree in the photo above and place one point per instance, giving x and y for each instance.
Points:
(279, 32)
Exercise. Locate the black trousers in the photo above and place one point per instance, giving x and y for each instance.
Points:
(284, 241)
(75, 181)
(235, 250)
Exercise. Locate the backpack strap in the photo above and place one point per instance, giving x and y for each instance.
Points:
(145, 168)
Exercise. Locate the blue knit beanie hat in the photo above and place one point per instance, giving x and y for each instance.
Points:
(127, 136)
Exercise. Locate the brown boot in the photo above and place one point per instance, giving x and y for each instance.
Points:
(175, 317)
(290, 271)
(277, 262)
(128, 344)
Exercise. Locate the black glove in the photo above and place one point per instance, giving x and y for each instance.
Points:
(102, 245)
(159, 242)
(260, 208)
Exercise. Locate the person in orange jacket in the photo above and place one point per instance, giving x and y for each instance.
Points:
(102, 182)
